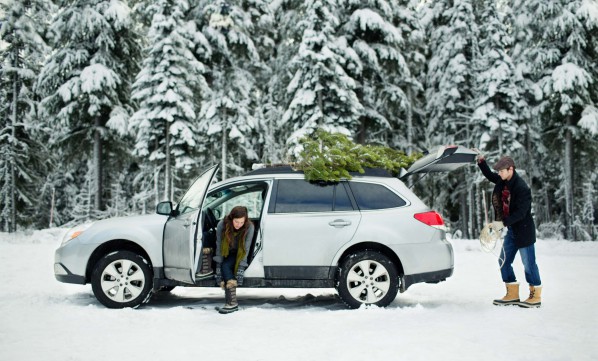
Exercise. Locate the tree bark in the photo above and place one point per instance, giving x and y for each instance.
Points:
(12, 227)
(568, 164)
(224, 145)
(168, 166)
(97, 156)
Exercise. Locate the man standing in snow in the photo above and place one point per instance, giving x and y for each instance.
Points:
(512, 201)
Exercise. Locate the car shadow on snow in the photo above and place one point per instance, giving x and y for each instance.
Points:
(169, 300)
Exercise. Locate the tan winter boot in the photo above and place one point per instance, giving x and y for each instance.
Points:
(206, 265)
(512, 296)
(534, 299)
(230, 296)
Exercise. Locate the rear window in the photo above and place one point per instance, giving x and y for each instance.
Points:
(295, 195)
(375, 196)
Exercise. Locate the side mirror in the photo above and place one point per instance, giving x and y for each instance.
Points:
(164, 208)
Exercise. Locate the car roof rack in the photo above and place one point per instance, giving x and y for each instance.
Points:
(287, 169)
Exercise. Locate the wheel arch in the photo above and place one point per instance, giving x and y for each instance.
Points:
(365, 246)
(113, 246)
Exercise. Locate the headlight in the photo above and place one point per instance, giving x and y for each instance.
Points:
(75, 232)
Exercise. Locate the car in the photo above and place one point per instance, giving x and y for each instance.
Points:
(368, 237)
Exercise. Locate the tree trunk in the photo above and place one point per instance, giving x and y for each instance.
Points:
(568, 164)
(409, 119)
(97, 156)
(168, 166)
(12, 227)
(224, 145)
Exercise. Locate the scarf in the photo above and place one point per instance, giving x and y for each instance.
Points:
(240, 247)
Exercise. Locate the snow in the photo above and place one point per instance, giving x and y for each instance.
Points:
(453, 320)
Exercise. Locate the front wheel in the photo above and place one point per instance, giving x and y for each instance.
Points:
(122, 279)
(367, 277)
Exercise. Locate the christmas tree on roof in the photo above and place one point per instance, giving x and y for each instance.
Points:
(333, 156)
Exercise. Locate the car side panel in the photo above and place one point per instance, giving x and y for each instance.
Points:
(146, 231)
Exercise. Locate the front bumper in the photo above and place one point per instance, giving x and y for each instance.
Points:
(63, 274)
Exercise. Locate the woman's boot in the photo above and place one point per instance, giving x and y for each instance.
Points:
(230, 297)
(206, 270)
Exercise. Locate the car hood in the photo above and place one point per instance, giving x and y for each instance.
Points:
(131, 228)
(442, 159)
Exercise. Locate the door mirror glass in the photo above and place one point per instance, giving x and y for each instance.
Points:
(164, 208)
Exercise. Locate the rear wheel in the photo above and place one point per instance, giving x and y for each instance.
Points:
(122, 279)
(367, 277)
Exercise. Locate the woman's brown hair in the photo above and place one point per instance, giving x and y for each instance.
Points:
(236, 212)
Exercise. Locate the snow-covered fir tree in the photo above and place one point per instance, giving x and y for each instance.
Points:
(23, 158)
(168, 90)
(227, 119)
(321, 92)
(496, 93)
(560, 56)
(86, 88)
(381, 35)
(452, 32)
(453, 35)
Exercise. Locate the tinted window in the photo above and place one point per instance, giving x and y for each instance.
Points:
(295, 195)
(341, 199)
(375, 196)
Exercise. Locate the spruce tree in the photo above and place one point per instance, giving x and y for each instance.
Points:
(168, 90)
(227, 119)
(23, 157)
(86, 86)
(321, 92)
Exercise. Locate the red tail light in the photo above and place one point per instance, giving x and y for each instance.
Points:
(432, 219)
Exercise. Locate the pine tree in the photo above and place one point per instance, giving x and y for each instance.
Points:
(452, 31)
(382, 36)
(496, 94)
(86, 85)
(560, 55)
(227, 119)
(453, 44)
(321, 92)
(168, 89)
(23, 160)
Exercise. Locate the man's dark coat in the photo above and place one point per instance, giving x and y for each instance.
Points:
(520, 207)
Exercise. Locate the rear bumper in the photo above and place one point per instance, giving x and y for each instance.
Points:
(429, 277)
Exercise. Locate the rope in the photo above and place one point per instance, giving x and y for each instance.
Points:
(491, 241)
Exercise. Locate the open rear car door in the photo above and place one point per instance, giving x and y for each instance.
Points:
(443, 159)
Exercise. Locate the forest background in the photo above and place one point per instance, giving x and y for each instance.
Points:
(109, 106)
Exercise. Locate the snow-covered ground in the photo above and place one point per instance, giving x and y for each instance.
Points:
(42, 319)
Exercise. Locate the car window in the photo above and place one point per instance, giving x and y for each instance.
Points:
(375, 196)
(249, 195)
(342, 202)
(192, 199)
(297, 195)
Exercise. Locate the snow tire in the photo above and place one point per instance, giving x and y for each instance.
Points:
(122, 279)
(367, 277)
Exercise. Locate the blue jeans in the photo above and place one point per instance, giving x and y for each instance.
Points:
(528, 257)
(228, 266)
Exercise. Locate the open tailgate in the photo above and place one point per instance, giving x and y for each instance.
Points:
(443, 159)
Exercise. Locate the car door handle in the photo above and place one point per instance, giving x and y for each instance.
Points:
(338, 223)
(187, 224)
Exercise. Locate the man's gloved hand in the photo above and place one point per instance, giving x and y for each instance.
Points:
(240, 274)
(218, 274)
(480, 157)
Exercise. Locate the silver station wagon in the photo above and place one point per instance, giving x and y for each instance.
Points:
(369, 237)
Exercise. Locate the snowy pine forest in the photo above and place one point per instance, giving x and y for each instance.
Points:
(109, 106)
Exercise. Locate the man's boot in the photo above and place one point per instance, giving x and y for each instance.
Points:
(206, 270)
(512, 296)
(534, 299)
(230, 296)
